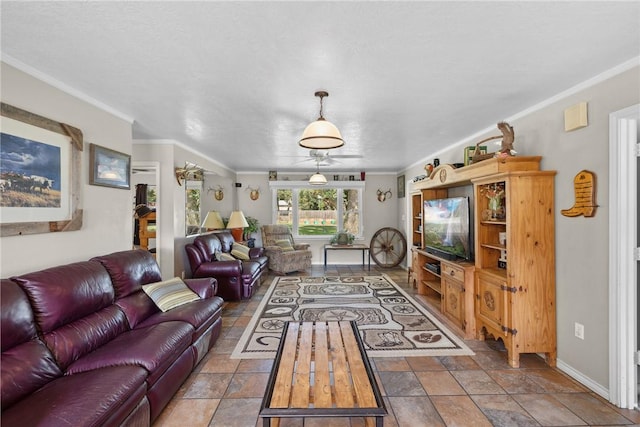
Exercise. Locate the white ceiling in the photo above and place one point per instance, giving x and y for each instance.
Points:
(235, 80)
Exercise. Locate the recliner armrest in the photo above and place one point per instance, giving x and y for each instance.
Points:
(205, 287)
(256, 252)
(219, 268)
(301, 246)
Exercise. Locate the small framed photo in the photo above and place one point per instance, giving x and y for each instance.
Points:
(109, 168)
(470, 151)
(401, 186)
(273, 175)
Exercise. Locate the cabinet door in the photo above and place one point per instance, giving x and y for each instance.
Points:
(454, 300)
(491, 303)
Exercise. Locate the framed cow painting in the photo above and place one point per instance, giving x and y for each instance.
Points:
(39, 174)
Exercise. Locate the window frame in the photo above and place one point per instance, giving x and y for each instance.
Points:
(296, 186)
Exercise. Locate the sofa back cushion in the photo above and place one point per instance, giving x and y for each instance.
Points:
(226, 240)
(74, 308)
(208, 245)
(129, 270)
(26, 364)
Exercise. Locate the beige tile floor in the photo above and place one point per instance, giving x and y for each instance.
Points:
(479, 390)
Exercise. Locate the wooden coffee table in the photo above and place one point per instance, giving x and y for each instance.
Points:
(321, 370)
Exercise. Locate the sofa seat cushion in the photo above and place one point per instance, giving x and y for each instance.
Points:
(97, 398)
(200, 314)
(154, 348)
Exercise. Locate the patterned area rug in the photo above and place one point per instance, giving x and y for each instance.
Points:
(391, 323)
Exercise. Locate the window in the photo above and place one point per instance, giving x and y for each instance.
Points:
(313, 211)
(193, 192)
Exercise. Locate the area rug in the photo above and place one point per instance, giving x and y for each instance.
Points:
(391, 323)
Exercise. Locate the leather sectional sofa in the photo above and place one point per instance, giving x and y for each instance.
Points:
(237, 279)
(83, 344)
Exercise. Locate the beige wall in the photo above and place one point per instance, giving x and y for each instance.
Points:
(582, 288)
(107, 225)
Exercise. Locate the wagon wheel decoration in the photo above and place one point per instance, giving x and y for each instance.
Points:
(388, 247)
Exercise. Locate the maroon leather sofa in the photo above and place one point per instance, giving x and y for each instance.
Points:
(236, 279)
(83, 345)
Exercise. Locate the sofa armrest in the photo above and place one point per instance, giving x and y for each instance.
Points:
(301, 246)
(256, 252)
(219, 268)
(205, 287)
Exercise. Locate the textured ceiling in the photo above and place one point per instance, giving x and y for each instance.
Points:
(235, 80)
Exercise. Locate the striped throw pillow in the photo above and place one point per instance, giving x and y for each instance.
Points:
(240, 251)
(170, 294)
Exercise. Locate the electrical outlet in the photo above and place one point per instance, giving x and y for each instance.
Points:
(579, 330)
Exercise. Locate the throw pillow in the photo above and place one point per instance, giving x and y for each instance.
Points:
(285, 244)
(223, 256)
(240, 251)
(170, 294)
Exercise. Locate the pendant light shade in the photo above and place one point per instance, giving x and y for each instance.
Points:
(317, 179)
(321, 134)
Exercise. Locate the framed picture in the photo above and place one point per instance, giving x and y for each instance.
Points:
(470, 151)
(401, 186)
(40, 163)
(273, 175)
(109, 168)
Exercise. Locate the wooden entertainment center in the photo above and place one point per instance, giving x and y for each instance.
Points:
(509, 298)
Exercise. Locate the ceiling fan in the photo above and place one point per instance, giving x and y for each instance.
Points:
(322, 157)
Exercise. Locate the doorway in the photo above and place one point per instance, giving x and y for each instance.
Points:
(148, 173)
(624, 129)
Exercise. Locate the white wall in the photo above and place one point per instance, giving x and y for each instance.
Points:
(581, 243)
(107, 225)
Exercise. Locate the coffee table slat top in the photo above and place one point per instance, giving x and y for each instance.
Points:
(361, 384)
(321, 369)
(322, 386)
(342, 382)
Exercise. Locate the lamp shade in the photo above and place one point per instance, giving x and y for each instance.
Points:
(321, 135)
(213, 221)
(237, 220)
(317, 179)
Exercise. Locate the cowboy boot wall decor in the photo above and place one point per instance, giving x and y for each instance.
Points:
(584, 188)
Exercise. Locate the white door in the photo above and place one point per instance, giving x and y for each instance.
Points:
(623, 257)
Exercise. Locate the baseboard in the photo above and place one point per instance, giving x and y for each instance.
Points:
(583, 379)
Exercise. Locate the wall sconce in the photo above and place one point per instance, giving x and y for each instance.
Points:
(218, 192)
(189, 171)
(384, 195)
(254, 193)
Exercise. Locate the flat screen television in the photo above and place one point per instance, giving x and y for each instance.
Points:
(446, 228)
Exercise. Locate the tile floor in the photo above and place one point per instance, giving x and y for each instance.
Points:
(480, 390)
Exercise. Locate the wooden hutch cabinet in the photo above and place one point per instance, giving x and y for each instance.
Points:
(509, 291)
(515, 262)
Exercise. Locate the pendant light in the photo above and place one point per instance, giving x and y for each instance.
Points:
(321, 134)
(317, 178)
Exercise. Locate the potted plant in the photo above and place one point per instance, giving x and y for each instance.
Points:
(253, 227)
(342, 238)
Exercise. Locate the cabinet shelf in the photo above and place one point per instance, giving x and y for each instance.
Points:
(496, 246)
(433, 284)
(493, 222)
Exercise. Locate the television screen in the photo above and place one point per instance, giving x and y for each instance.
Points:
(446, 227)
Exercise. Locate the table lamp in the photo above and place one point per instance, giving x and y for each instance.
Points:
(213, 221)
(237, 223)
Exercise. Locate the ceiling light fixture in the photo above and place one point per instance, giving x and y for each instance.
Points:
(317, 178)
(321, 134)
